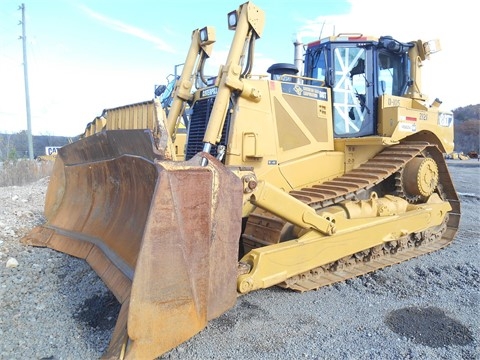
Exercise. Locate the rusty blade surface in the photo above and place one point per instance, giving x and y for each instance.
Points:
(186, 270)
(98, 201)
(162, 235)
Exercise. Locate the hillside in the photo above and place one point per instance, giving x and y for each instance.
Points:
(467, 128)
(14, 146)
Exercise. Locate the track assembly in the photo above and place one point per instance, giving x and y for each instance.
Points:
(422, 163)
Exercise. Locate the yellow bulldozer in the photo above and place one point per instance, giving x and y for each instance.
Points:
(318, 171)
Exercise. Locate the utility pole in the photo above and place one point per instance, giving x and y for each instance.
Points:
(25, 75)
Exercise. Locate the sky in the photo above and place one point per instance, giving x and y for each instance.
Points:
(84, 56)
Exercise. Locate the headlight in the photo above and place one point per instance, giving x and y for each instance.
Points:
(204, 34)
(232, 20)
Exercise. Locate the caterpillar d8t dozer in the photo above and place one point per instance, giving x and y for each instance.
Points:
(324, 170)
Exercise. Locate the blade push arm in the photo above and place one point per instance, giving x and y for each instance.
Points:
(248, 23)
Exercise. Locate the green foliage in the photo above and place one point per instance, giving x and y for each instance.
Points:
(12, 155)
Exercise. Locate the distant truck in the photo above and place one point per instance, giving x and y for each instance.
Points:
(473, 155)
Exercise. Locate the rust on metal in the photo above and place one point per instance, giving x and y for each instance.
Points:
(162, 235)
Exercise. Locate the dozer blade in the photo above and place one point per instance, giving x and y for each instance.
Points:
(162, 235)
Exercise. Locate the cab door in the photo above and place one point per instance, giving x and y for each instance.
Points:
(352, 91)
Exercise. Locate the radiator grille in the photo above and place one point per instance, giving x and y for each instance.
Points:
(198, 125)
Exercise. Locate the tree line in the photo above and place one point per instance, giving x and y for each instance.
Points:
(467, 129)
(15, 146)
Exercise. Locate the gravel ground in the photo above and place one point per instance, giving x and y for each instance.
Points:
(53, 306)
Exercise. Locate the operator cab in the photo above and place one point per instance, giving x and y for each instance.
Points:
(359, 70)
